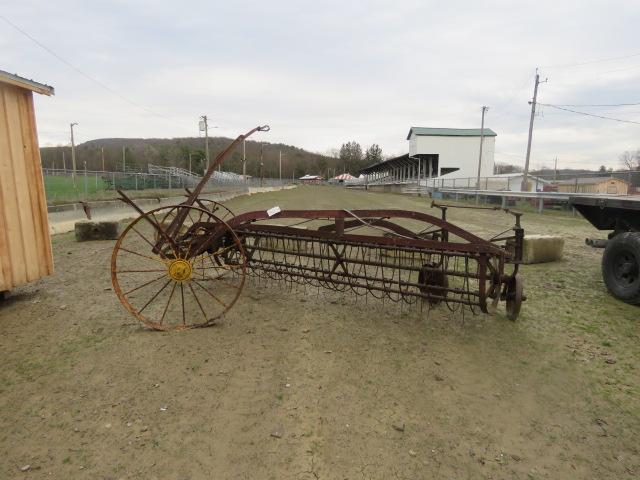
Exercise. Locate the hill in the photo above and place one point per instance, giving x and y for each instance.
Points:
(175, 152)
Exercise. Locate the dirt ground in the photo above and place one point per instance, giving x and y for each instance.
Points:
(305, 385)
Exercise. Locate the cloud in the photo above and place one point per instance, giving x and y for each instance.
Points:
(322, 73)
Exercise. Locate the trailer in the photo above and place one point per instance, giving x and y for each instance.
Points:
(621, 258)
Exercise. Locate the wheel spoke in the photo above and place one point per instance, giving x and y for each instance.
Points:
(198, 301)
(182, 300)
(142, 271)
(211, 294)
(166, 307)
(219, 279)
(144, 256)
(154, 297)
(143, 237)
(144, 284)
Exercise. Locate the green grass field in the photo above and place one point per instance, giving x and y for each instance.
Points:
(62, 189)
(59, 189)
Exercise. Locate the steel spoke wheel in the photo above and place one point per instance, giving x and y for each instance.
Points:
(172, 280)
(218, 209)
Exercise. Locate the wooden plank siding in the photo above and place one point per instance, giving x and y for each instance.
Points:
(610, 186)
(25, 245)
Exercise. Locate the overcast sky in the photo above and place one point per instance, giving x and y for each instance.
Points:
(325, 72)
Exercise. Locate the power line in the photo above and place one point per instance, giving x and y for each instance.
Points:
(611, 59)
(86, 75)
(502, 105)
(597, 105)
(588, 114)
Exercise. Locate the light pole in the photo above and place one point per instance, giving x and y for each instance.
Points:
(204, 127)
(73, 155)
(192, 154)
(484, 109)
(261, 163)
(280, 166)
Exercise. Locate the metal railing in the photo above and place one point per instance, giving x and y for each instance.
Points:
(586, 183)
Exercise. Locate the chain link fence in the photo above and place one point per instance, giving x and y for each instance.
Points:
(67, 186)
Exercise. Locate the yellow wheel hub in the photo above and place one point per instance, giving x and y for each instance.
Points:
(180, 270)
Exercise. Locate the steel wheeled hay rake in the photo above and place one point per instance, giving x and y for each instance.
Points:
(185, 266)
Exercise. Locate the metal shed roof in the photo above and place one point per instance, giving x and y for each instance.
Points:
(401, 161)
(18, 81)
(450, 132)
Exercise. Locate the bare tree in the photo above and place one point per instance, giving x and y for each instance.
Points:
(506, 168)
(631, 160)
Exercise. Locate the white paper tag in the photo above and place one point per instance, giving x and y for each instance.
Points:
(273, 210)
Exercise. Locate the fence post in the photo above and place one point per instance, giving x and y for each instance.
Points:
(540, 205)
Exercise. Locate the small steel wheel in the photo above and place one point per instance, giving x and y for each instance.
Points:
(218, 209)
(493, 295)
(435, 283)
(514, 297)
(177, 278)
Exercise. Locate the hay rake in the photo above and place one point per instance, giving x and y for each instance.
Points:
(184, 266)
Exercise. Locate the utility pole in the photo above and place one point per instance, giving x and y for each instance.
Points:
(86, 194)
(102, 155)
(525, 184)
(244, 161)
(280, 166)
(73, 156)
(204, 125)
(484, 110)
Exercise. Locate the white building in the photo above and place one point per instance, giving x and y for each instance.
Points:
(453, 150)
(511, 182)
(434, 152)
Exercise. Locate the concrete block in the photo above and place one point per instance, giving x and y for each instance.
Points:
(542, 248)
(105, 230)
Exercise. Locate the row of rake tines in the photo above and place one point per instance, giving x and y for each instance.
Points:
(384, 273)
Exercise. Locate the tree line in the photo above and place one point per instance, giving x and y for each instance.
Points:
(263, 159)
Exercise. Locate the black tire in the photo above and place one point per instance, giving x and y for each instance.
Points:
(621, 267)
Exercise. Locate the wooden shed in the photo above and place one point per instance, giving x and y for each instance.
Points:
(25, 245)
(596, 185)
